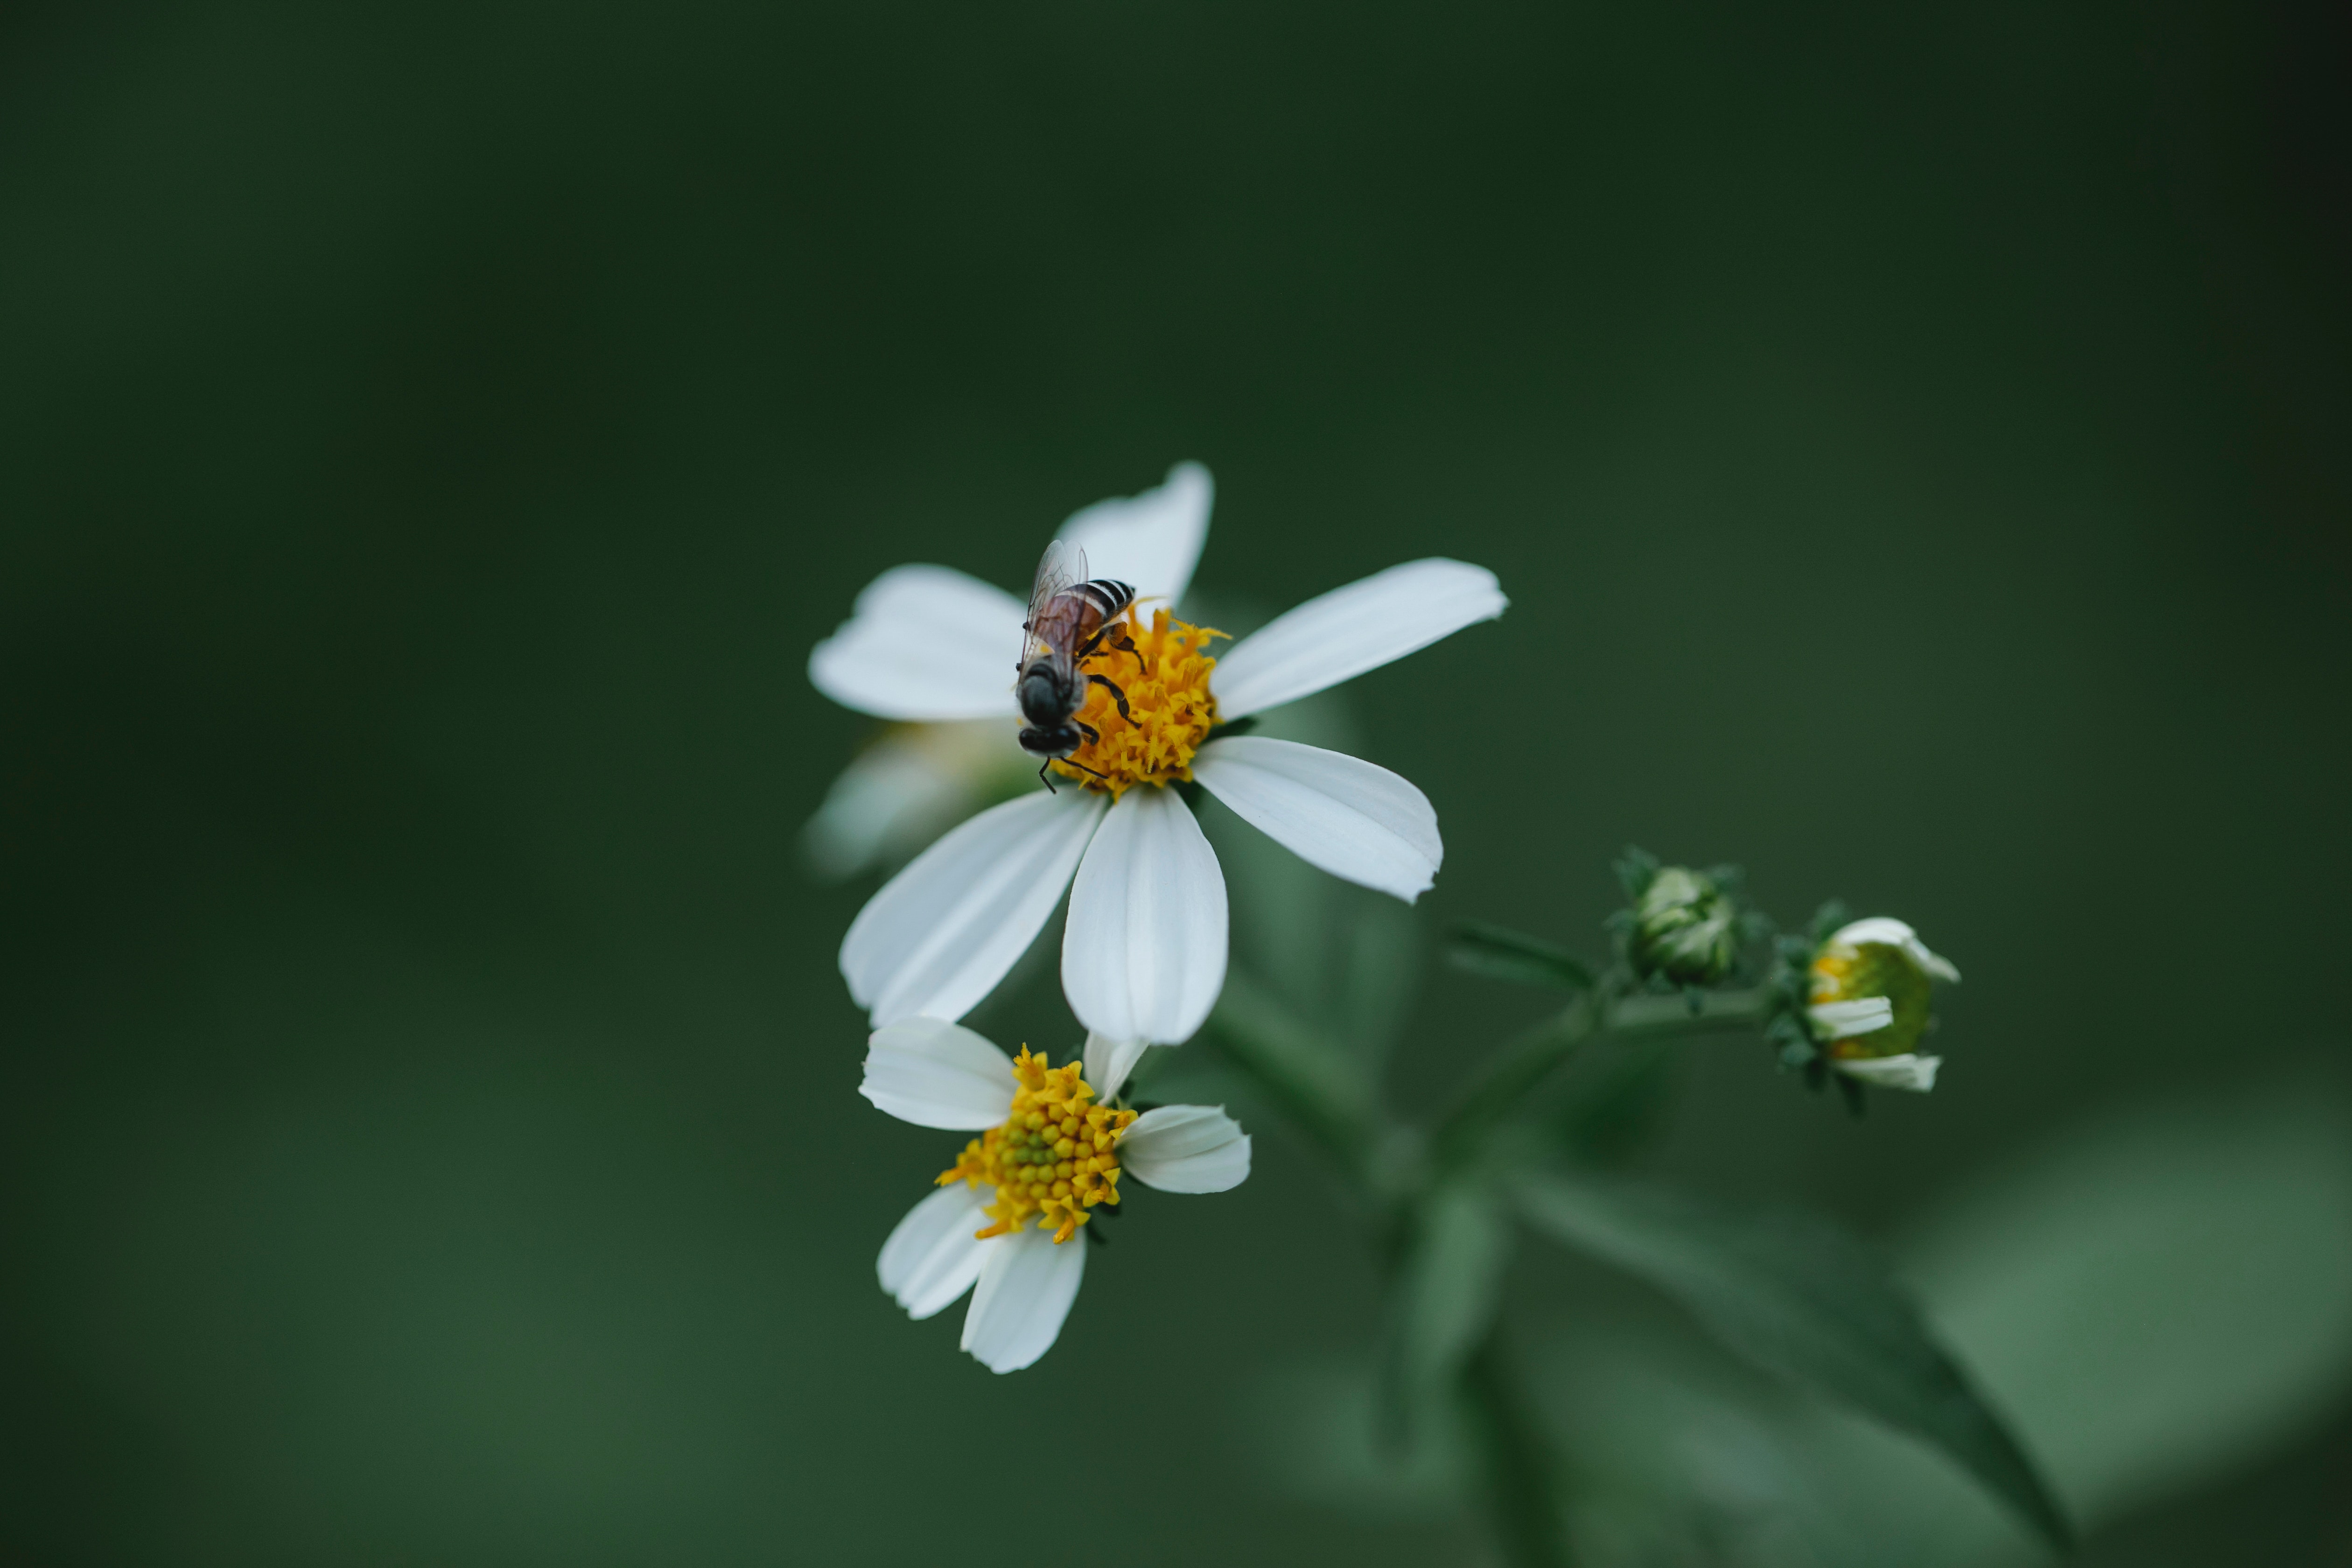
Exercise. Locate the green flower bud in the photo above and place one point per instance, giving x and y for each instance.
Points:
(1686, 928)
(1870, 986)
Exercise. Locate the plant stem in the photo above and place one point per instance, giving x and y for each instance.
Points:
(1520, 1067)
(1510, 1075)
(1672, 1014)
(1516, 1460)
(1327, 1096)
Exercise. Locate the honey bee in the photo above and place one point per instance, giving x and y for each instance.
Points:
(1070, 617)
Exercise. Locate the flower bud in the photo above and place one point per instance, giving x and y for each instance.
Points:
(1869, 993)
(1686, 928)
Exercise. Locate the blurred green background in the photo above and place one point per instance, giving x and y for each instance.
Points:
(1915, 441)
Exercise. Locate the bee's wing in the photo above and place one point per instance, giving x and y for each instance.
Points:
(1053, 621)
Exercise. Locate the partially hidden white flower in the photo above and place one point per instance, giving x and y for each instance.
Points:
(1871, 984)
(913, 784)
(1009, 1220)
(1143, 956)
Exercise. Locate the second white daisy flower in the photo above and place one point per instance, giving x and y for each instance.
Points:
(1009, 1220)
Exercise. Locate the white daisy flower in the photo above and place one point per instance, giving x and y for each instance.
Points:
(1143, 956)
(1010, 1214)
(1870, 982)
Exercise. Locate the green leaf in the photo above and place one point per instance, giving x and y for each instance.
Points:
(1383, 971)
(1801, 1298)
(2164, 1293)
(1446, 1291)
(1499, 953)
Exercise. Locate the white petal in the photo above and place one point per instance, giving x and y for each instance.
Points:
(1843, 1020)
(1350, 630)
(943, 932)
(904, 790)
(1347, 816)
(931, 1257)
(1909, 1070)
(924, 642)
(1186, 1148)
(1144, 955)
(1151, 541)
(1027, 1287)
(1885, 931)
(938, 1074)
(1109, 1061)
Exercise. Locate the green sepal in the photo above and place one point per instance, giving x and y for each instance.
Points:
(1636, 868)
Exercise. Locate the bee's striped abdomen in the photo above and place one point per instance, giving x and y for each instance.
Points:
(1106, 596)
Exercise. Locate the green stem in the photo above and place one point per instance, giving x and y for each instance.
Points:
(1643, 1015)
(1510, 1075)
(1327, 1096)
(1516, 1459)
(1519, 1069)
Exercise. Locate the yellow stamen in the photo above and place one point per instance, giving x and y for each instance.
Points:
(1169, 710)
(1027, 1160)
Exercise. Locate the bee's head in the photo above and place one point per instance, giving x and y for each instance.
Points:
(1051, 740)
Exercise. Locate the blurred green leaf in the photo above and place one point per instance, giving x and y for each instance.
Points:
(1313, 1427)
(1500, 953)
(1799, 1297)
(1383, 974)
(1445, 1293)
(2159, 1300)
(1316, 1082)
(2163, 1294)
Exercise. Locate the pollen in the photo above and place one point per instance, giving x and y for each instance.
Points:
(1056, 1157)
(1169, 710)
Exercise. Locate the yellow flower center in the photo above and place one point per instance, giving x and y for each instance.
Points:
(1848, 973)
(1056, 1156)
(1169, 710)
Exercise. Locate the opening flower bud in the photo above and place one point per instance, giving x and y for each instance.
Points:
(1869, 989)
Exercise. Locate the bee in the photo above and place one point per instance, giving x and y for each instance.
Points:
(1070, 617)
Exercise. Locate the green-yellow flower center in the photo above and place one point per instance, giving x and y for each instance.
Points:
(1169, 710)
(1849, 971)
(1055, 1156)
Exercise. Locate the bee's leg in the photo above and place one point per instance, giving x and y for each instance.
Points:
(1126, 645)
(1111, 633)
(1115, 696)
(1093, 735)
(1045, 778)
(1084, 769)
